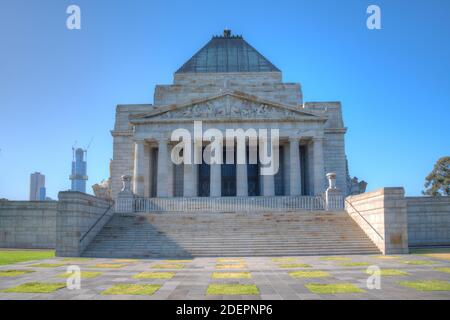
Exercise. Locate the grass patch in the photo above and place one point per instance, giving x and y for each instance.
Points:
(154, 275)
(231, 289)
(335, 258)
(125, 260)
(333, 288)
(443, 256)
(76, 259)
(294, 265)
(15, 256)
(168, 266)
(284, 259)
(177, 261)
(418, 262)
(231, 266)
(390, 272)
(36, 287)
(427, 285)
(386, 257)
(84, 274)
(230, 260)
(47, 265)
(309, 274)
(108, 265)
(446, 270)
(355, 264)
(13, 273)
(231, 275)
(133, 289)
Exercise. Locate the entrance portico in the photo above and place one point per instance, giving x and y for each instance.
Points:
(298, 173)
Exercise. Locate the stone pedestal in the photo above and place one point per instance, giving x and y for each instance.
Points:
(125, 198)
(334, 200)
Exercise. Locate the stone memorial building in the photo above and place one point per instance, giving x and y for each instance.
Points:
(228, 84)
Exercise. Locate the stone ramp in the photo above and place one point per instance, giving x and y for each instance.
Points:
(177, 235)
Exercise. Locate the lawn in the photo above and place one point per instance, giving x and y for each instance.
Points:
(36, 287)
(333, 288)
(231, 266)
(168, 266)
(389, 272)
(230, 260)
(309, 274)
(427, 285)
(284, 259)
(335, 258)
(294, 265)
(84, 274)
(355, 264)
(13, 273)
(231, 275)
(47, 265)
(107, 266)
(154, 275)
(132, 289)
(177, 261)
(15, 256)
(386, 257)
(232, 289)
(418, 262)
(445, 269)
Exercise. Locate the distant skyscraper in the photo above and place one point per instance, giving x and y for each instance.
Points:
(37, 187)
(79, 172)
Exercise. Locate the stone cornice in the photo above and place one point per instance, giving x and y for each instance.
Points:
(117, 133)
(288, 112)
(335, 130)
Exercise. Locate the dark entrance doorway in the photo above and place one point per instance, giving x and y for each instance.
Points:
(204, 170)
(228, 177)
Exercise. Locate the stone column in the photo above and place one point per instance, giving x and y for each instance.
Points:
(319, 166)
(139, 169)
(163, 166)
(190, 180)
(241, 176)
(268, 181)
(170, 172)
(295, 176)
(215, 176)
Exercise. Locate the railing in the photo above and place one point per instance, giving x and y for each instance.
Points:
(228, 204)
(96, 222)
(367, 222)
(335, 203)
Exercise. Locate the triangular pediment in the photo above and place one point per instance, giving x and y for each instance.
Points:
(226, 106)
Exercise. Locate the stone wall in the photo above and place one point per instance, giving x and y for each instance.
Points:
(80, 217)
(428, 221)
(382, 215)
(28, 224)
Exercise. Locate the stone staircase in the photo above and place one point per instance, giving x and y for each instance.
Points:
(172, 235)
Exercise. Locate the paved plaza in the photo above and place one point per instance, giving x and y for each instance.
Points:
(402, 277)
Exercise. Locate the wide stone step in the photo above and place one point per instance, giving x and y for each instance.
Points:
(190, 235)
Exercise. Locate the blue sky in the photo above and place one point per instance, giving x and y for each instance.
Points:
(59, 86)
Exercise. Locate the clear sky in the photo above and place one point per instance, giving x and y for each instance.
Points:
(58, 86)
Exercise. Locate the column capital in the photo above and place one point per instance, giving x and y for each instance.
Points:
(318, 138)
(139, 140)
(163, 140)
(294, 139)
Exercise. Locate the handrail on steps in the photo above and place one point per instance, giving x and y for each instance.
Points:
(373, 228)
(96, 222)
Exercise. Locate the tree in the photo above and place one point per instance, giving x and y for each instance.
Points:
(437, 183)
